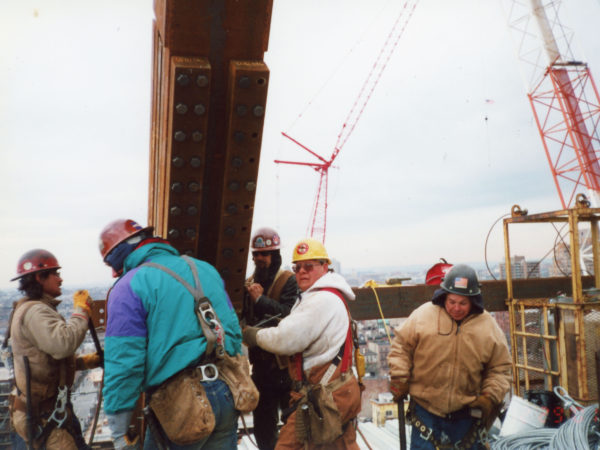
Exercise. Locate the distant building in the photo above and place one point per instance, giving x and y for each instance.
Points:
(383, 408)
(381, 347)
(371, 366)
(521, 268)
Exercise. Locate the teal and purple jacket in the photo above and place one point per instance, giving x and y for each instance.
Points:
(152, 331)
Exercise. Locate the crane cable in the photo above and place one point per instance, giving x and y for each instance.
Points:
(553, 249)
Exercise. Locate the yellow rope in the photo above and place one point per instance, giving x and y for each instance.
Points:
(372, 284)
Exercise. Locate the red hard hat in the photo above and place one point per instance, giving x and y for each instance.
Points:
(36, 260)
(116, 232)
(265, 239)
(436, 274)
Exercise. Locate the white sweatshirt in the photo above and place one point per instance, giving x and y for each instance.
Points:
(317, 325)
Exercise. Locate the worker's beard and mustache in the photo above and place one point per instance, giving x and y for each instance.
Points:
(265, 275)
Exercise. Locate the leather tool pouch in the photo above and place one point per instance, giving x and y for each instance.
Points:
(318, 419)
(235, 372)
(182, 408)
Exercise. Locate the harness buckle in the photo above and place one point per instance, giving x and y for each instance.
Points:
(428, 436)
(60, 407)
(483, 435)
(205, 309)
(209, 372)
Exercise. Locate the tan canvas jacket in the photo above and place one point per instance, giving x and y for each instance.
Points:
(447, 365)
(39, 332)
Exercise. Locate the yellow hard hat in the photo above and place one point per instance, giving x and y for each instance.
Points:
(310, 249)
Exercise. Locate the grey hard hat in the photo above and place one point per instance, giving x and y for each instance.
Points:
(461, 280)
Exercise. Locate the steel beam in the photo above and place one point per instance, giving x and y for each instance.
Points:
(400, 301)
(208, 107)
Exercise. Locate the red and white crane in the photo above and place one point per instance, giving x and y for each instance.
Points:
(563, 95)
(317, 225)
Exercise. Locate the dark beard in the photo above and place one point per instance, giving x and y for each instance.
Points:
(265, 276)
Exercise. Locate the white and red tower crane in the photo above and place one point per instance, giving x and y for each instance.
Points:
(565, 103)
(317, 225)
(563, 96)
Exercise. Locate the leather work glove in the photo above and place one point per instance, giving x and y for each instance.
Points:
(249, 336)
(399, 389)
(487, 407)
(126, 443)
(89, 361)
(82, 299)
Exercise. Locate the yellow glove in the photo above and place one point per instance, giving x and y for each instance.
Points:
(398, 388)
(82, 299)
(90, 361)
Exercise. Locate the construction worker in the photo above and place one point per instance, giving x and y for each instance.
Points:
(153, 333)
(318, 335)
(43, 350)
(271, 293)
(451, 356)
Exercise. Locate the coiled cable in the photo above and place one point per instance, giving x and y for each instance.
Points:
(580, 432)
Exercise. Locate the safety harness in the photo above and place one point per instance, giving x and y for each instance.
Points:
(57, 417)
(475, 433)
(344, 356)
(207, 317)
(213, 332)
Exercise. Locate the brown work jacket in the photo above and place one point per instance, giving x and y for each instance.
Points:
(39, 332)
(448, 365)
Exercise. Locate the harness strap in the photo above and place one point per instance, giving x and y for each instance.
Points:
(344, 355)
(346, 358)
(469, 439)
(211, 328)
(278, 283)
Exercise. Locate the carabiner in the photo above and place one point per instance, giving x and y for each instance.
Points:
(60, 407)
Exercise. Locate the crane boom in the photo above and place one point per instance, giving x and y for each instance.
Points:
(318, 220)
(563, 97)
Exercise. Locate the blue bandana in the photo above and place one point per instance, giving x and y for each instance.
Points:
(117, 256)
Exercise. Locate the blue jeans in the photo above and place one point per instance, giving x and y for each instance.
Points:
(455, 430)
(224, 436)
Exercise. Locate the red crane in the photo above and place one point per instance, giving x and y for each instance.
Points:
(564, 98)
(565, 103)
(317, 226)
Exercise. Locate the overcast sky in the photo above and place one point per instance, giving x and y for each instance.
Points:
(446, 145)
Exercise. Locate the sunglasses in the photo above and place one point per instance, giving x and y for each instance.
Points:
(307, 266)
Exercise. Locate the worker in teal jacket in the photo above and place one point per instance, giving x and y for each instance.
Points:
(152, 332)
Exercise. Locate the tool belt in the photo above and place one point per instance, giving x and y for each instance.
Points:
(181, 406)
(476, 432)
(318, 418)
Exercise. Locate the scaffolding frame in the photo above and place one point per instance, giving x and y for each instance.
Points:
(559, 329)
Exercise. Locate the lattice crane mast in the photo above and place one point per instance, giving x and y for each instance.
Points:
(563, 95)
(317, 226)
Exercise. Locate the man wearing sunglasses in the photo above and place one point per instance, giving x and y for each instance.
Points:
(317, 335)
(270, 294)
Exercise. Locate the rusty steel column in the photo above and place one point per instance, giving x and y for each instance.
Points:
(208, 106)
